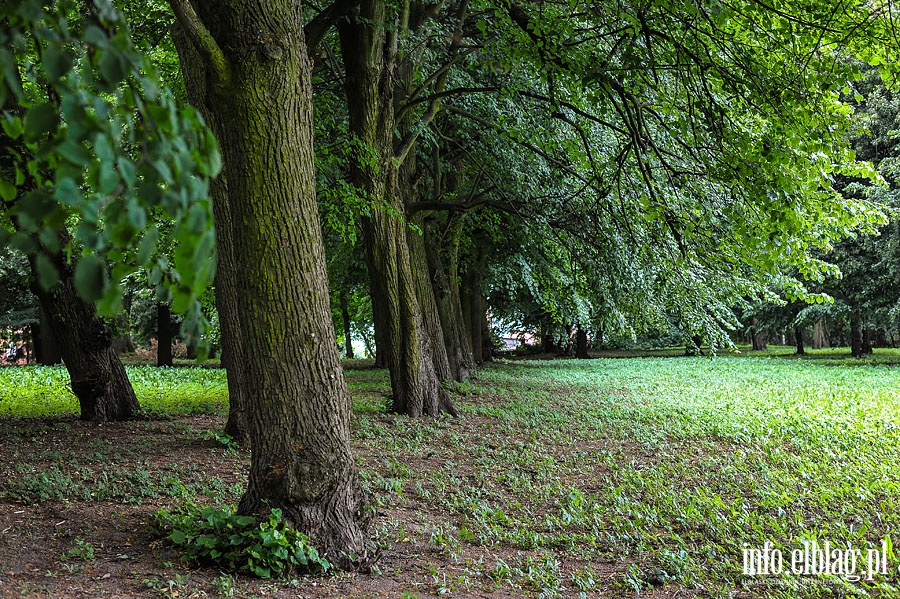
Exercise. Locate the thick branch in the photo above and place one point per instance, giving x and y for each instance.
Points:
(435, 105)
(315, 30)
(453, 206)
(200, 36)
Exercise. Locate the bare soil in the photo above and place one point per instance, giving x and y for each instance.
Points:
(44, 541)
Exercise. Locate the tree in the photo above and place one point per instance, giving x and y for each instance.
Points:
(246, 68)
(76, 100)
(402, 297)
(867, 288)
(693, 158)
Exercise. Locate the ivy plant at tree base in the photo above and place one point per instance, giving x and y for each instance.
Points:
(219, 537)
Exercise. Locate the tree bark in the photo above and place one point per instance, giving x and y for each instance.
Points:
(47, 351)
(820, 335)
(258, 90)
(427, 302)
(581, 344)
(758, 336)
(487, 343)
(415, 381)
(345, 316)
(476, 318)
(798, 339)
(232, 357)
(163, 335)
(860, 336)
(98, 378)
(447, 297)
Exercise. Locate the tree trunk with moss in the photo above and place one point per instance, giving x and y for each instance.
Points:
(444, 281)
(415, 380)
(195, 73)
(257, 86)
(97, 376)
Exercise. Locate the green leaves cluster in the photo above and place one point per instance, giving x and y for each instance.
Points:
(220, 537)
(684, 156)
(95, 152)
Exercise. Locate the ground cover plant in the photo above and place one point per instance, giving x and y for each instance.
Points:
(606, 477)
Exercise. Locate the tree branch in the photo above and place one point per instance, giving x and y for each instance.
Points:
(315, 30)
(200, 36)
(451, 206)
(435, 105)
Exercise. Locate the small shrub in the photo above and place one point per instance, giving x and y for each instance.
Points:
(219, 537)
(82, 550)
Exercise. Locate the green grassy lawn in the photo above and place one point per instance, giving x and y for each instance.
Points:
(608, 476)
(670, 466)
(43, 391)
(676, 463)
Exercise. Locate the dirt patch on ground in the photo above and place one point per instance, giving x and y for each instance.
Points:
(75, 499)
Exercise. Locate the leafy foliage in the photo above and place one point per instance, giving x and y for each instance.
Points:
(215, 536)
(17, 305)
(91, 141)
(668, 160)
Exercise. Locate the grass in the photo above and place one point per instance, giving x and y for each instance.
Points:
(565, 477)
(43, 391)
(670, 466)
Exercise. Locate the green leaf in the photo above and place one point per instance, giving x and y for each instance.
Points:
(74, 152)
(48, 275)
(67, 192)
(57, 63)
(109, 178)
(40, 120)
(8, 191)
(147, 246)
(12, 126)
(127, 170)
(96, 37)
(113, 67)
(90, 277)
(177, 537)
(23, 242)
(103, 149)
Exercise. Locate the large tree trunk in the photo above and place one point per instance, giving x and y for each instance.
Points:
(446, 291)
(860, 336)
(229, 315)
(163, 335)
(798, 339)
(98, 378)
(415, 381)
(476, 318)
(47, 350)
(425, 296)
(418, 262)
(820, 335)
(232, 358)
(259, 92)
(487, 342)
(758, 336)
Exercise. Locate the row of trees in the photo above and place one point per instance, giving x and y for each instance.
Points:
(609, 166)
